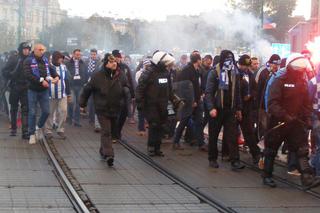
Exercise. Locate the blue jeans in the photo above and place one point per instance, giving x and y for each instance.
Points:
(141, 121)
(42, 98)
(74, 108)
(197, 129)
(315, 161)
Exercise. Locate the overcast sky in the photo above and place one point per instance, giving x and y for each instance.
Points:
(153, 10)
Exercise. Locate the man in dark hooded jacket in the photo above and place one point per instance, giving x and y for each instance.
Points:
(13, 71)
(224, 103)
(107, 87)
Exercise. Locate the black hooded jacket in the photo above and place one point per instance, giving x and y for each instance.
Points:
(217, 98)
(13, 71)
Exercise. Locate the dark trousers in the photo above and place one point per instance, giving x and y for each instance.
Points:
(141, 121)
(16, 97)
(155, 133)
(247, 127)
(106, 143)
(121, 121)
(296, 137)
(227, 119)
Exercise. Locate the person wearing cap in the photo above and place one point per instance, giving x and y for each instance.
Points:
(247, 97)
(224, 103)
(289, 118)
(39, 75)
(107, 88)
(153, 93)
(127, 99)
(60, 96)
(13, 71)
(78, 77)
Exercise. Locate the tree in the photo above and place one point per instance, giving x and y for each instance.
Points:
(279, 11)
(7, 41)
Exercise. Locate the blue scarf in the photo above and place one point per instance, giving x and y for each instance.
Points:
(224, 77)
(35, 68)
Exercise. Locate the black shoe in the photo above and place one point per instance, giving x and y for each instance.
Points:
(25, 136)
(268, 181)
(151, 153)
(13, 132)
(213, 164)
(237, 165)
(110, 161)
(309, 181)
(159, 153)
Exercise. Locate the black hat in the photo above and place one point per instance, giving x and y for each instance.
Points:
(116, 53)
(275, 59)
(245, 60)
(24, 45)
(108, 57)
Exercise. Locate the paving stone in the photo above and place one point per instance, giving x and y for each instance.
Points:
(36, 210)
(139, 194)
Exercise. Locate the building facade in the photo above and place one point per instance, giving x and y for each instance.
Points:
(29, 17)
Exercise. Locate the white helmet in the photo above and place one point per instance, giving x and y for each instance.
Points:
(162, 58)
(297, 61)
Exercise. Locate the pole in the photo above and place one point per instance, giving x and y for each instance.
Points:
(20, 20)
(262, 15)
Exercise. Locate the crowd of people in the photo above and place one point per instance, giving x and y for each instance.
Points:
(277, 104)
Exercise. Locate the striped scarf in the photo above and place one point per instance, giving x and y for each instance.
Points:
(58, 90)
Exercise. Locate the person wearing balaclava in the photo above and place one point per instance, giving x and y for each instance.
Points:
(153, 93)
(13, 71)
(224, 103)
(107, 88)
(289, 118)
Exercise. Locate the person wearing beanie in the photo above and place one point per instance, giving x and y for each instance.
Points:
(124, 68)
(289, 118)
(108, 90)
(13, 72)
(247, 97)
(60, 96)
(261, 79)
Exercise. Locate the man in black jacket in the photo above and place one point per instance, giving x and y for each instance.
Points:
(289, 113)
(13, 71)
(247, 97)
(153, 92)
(107, 87)
(224, 103)
(78, 77)
(40, 77)
(191, 73)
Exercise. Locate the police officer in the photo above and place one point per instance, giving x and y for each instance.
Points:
(13, 71)
(289, 115)
(152, 95)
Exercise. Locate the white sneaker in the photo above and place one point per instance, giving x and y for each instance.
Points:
(294, 173)
(32, 139)
(39, 133)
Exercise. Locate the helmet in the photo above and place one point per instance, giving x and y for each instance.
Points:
(161, 58)
(298, 62)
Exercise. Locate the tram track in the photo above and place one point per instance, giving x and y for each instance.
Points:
(200, 195)
(77, 196)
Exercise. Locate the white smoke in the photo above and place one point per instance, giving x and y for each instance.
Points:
(222, 29)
